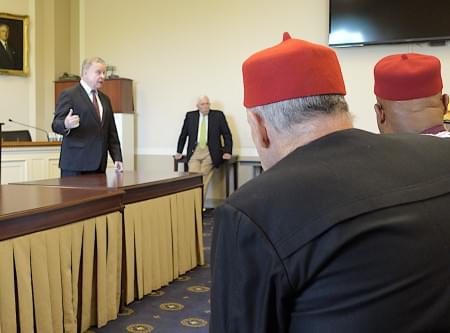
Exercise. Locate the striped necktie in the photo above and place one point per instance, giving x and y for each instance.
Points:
(94, 101)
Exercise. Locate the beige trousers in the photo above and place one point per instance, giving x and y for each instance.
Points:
(201, 162)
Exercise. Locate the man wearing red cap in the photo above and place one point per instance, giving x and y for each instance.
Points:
(409, 95)
(341, 232)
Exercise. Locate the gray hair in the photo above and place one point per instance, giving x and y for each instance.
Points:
(89, 61)
(283, 115)
(202, 97)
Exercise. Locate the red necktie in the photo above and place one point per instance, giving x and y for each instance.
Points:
(94, 101)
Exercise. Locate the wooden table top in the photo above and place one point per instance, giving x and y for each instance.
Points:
(27, 209)
(17, 144)
(137, 186)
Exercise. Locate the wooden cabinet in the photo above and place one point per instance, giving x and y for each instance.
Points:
(120, 91)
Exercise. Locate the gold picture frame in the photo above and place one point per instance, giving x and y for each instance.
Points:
(14, 47)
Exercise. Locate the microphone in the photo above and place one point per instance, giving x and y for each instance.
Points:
(29, 126)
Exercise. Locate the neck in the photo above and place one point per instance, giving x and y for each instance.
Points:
(417, 121)
(302, 134)
(415, 115)
(87, 85)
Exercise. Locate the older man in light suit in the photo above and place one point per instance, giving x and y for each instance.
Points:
(205, 129)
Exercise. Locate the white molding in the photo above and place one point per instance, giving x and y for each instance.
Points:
(247, 151)
(156, 151)
(32, 63)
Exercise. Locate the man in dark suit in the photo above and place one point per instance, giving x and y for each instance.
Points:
(346, 230)
(84, 116)
(8, 55)
(205, 129)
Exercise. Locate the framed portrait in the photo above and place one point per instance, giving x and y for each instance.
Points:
(14, 44)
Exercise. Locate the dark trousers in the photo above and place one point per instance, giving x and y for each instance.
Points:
(69, 173)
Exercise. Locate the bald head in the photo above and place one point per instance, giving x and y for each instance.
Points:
(410, 116)
(409, 93)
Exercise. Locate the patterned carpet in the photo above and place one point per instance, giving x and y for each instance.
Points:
(183, 306)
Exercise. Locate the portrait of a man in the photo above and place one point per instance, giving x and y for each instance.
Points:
(8, 54)
(13, 44)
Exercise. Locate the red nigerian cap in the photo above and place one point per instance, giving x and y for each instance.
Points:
(407, 76)
(294, 68)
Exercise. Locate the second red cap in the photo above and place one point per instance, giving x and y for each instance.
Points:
(407, 76)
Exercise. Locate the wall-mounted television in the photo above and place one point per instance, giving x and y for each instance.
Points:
(372, 22)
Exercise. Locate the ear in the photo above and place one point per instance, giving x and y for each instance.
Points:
(381, 116)
(445, 102)
(259, 129)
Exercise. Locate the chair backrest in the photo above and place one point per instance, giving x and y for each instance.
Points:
(16, 135)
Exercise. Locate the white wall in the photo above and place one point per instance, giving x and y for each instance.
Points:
(357, 66)
(176, 50)
(30, 99)
(18, 92)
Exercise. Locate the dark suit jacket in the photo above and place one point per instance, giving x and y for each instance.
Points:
(9, 61)
(350, 233)
(217, 128)
(85, 148)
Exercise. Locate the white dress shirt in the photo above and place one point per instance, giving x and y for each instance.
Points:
(89, 92)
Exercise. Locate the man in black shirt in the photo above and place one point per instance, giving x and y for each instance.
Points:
(345, 230)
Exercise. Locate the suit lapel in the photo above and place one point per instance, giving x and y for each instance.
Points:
(105, 106)
(88, 103)
(210, 122)
(9, 52)
(196, 119)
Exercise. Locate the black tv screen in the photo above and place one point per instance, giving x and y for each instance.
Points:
(370, 22)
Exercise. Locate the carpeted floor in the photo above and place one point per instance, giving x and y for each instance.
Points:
(183, 306)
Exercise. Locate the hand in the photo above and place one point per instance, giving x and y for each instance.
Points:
(178, 156)
(119, 166)
(226, 156)
(71, 121)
